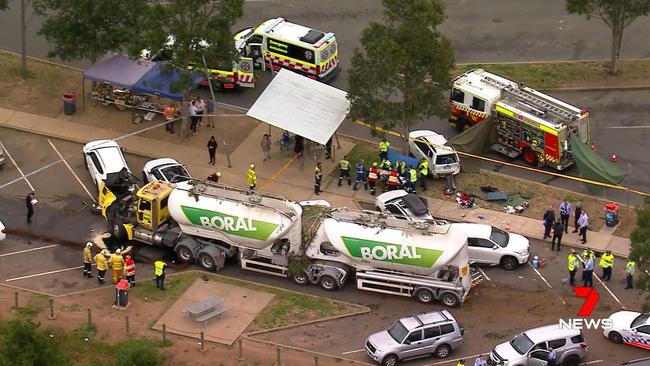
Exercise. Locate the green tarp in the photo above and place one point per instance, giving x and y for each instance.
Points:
(592, 166)
(475, 140)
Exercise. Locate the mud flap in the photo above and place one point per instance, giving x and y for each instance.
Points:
(477, 277)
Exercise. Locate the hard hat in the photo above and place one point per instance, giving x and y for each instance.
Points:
(89, 243)
(252, 166)
(118, 251)
(218, 174)
(105, 252)
(536, 257)
(374, 164)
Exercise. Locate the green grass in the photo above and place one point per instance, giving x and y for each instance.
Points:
(369, 153)
(175, 286)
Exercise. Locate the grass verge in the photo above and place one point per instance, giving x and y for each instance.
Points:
(365, 151)
(286, 308)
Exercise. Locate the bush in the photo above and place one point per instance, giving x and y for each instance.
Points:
(22, 343)
(138, 353)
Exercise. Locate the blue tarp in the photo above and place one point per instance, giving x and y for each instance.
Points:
(394, 157)
(119, 70)
(162, 80)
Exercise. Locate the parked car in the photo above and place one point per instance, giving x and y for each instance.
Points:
(2, 156)
(442, 158)
(165, 170)
(487, 244)
(630, 327)
(103, 157)
(2, 231)
(492, 246)
(530, 348)
(435, 333)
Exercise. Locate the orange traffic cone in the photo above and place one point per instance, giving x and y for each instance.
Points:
(613, 158)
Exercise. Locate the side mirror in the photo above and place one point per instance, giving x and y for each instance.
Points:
(495, 247)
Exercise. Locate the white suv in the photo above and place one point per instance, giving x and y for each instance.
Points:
(442, 158)
(492, 246)
(102, 158)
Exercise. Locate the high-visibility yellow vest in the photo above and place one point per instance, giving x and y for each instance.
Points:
(414, 175)
(573, 262)
(252, 178)
(344, 164)
(88, 257)
(383, 146)
(159, 267)
(629, 268)
(606, 260)
(100, 259)
(402, 168)
(424, 167)
(587, 253)
(318, 173)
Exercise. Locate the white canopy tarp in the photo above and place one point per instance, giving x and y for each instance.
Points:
(303, 106)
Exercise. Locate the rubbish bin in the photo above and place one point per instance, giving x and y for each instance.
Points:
(122, 293)
(611, 213)
(69, 103)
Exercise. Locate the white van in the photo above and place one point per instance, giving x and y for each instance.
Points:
(443, 159)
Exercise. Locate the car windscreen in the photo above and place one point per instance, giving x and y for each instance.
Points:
(499, 236)
(398, 331)
(521, 343)
(640, 320)
(175, 173)
(446, 159)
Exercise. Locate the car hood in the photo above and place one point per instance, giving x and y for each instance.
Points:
(623, 319)
(506, 351)
(518, 242)
(382, 340)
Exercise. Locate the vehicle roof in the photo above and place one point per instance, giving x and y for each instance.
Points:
(472, 82)
(158, 163)
(391, 195)
(293, 32)
(415, 204)
(97, 143)
(550, 332)
(477, 230)
(438, 141)
(433, 317)
(110, 154)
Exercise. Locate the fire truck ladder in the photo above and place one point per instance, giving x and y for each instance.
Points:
(528, 97)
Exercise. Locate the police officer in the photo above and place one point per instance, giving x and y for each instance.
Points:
(587, 253)
(159, 271)
(401, 169)
(607, 263)
(629, 271)
(558, 231)
(588, 273)
(88, 260)
(318, 175)
(251, 177)
(413, 178)
(423, 167)
(373, 175)
(383, 149)
(100, 260)
(461, 362)
(360, 175)
(572, 265)
(384, 170)
(344, 170)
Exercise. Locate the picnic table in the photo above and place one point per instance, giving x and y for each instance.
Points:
(206, 309)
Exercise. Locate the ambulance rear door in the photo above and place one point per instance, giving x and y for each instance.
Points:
(245, 73)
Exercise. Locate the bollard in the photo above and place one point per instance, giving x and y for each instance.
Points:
(164, 331)
(202, 342)
(16, 300)
(240, 356)
(51, 316)
(277, 358)
(126, 319)
(90, 319)
(315, 360)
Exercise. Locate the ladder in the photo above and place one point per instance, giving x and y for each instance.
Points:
(528, 97)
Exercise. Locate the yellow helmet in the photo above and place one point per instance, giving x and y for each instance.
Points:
(252, 166)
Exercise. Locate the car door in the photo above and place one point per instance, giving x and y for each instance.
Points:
(481, 251)
(430, 339)
(413, 345)
(559, 345)
(538, 358)
(95, 167)
(641, 336)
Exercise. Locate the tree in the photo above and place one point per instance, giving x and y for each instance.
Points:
(138, 353)
(88, 29)
(616, 14)
(640, 251)
(402, 73)
(24, 344)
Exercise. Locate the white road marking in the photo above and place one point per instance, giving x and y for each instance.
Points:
(28, 250)
(637, 360)
(603, 283)
(627, 127)
(355, 351)
(467, 358)
(17, 167)
(71, 171)
(31, 173)
(591, 362)
(546, 282)
(484, 274)
(43, 274)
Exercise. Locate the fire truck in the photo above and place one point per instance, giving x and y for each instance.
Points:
(528, 123)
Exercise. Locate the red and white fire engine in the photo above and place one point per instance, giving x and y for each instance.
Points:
(527, 122)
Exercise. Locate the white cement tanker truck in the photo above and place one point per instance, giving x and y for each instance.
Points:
(207, 222)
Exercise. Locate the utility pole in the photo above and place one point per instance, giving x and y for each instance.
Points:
(214, 102)
(23, 42)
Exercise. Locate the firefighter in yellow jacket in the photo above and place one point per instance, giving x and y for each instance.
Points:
(117, 264)
(88, 260)
(251, 178)
(100, 260)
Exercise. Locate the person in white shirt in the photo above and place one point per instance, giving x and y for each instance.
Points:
(583, 223)
(193, 116)
(200, 109)
(480, 361)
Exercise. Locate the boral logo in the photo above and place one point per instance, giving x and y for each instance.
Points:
(230, 224)
(391, 252)
(591, 299)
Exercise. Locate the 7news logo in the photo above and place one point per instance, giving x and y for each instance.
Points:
(591, 299)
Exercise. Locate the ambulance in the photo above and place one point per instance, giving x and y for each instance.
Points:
(278, 43)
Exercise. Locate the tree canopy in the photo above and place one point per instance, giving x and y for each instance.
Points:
(640, 250)
(616, 14)
(22, 343)
(401, 74)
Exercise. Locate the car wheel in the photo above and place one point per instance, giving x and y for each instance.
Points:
(572, 360)
(390, 360)
(615, 337)
(206, 261)
(301, 278)
(443, 351)
(424, 295)
(450, 299)
(328, 283)
(184, 253)
(509, 263)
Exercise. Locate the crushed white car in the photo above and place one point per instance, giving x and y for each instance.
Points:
(102, 158)
(443, 159)
(165, 170)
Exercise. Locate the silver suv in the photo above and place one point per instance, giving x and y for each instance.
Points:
(530, 348)
(436, 333)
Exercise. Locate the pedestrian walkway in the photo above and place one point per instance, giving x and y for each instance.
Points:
(295, 180)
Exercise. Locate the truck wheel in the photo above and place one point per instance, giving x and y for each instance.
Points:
(301, 278)
(450, 299)
(328, 283)
(118, 232)
(390, 360)
(529, 157)
(206, 261)
(184, 253)
(424, 295)
(509, 263)
(615, 337)
(443, 351)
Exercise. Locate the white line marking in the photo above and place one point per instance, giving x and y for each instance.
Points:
(71, 171)
(355, 351)
(43, 274)
(467, 358)
(604, 285)
(627, 127)
(637, 360)
(546, 282)
(29, 250)
(483, 273)
(31, 173)
(17, 167)
(591, 362)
